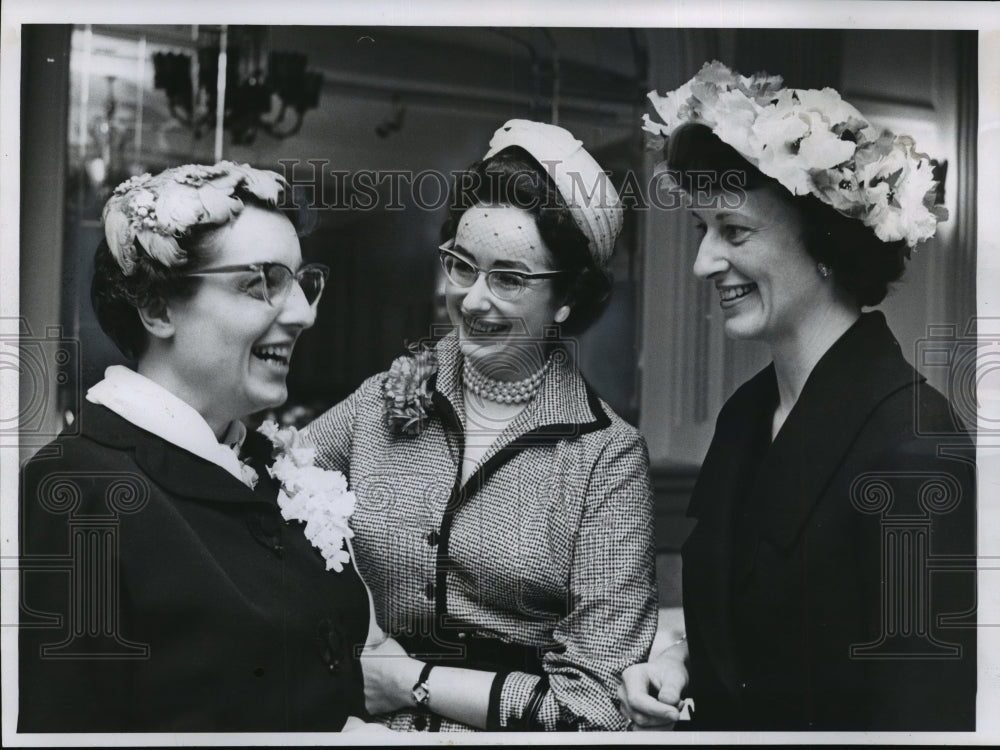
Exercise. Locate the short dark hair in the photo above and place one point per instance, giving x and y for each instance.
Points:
(513, 177)
(117, 297)
(862, 264)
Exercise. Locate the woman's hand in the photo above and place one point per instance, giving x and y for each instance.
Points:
(650, 692)
(390, 675)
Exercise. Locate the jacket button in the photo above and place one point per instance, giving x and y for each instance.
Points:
(328, 639)
(429, 591)
(432, 538)
(462, 635)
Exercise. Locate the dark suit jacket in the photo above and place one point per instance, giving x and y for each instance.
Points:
(159, 593)
(829, 583)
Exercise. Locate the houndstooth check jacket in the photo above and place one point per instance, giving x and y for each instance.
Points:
(548, 545)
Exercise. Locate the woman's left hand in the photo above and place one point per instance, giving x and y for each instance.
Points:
(390, 674)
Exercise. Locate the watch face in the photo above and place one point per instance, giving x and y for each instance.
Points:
(421, 694)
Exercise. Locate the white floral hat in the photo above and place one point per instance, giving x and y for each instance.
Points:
(586, 188)
(812, 142)
(157, 209)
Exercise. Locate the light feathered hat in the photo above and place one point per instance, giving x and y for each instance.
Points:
(586, 188)
(148, 213)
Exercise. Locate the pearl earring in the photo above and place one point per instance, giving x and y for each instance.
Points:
(824, 270)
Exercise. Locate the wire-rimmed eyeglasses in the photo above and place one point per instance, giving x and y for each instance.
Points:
(274, 280)
(504, 283)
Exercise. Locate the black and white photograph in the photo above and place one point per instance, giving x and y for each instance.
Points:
(391, 374)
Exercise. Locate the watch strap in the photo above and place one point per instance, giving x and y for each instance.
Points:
(421, 693)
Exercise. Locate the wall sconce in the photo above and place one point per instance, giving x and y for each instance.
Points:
(250, 89)
(394, 123)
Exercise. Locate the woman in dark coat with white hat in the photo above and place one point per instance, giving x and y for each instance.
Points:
(829, 582)
(166, 582)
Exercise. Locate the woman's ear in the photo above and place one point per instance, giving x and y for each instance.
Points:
(155, 317)
(562, 314)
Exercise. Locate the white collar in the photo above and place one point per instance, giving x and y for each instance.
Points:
(153, 408)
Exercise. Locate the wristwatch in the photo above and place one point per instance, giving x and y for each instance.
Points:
(422, 693)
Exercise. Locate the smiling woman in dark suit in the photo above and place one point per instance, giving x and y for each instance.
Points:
(836, 473)
(185, 602)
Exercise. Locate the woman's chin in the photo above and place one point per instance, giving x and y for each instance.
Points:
(269, 398)
(740, 328)
(476, 352)
(496, 359)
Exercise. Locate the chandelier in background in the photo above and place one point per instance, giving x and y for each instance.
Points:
(262, 89)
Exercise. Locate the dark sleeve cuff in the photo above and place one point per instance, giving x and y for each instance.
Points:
(529, 719)
(493, 712)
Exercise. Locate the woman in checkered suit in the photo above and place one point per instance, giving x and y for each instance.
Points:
(504, 518)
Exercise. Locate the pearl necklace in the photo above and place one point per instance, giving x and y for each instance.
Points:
(503, 391)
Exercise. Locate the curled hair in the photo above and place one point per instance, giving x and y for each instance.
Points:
(513, 177)
(116, 298)
(862, 264)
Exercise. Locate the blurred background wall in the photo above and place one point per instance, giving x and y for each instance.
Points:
(95, 110)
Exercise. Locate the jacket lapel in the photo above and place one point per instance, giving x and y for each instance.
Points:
(862, 369)
(741, 436)
(565, 406)
(780, 482)
(446, 386)
(743, 425)
(174, 469)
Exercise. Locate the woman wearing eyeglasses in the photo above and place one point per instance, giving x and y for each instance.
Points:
(504, 520)
(163, 589)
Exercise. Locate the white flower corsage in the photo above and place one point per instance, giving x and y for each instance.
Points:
(317, 497)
